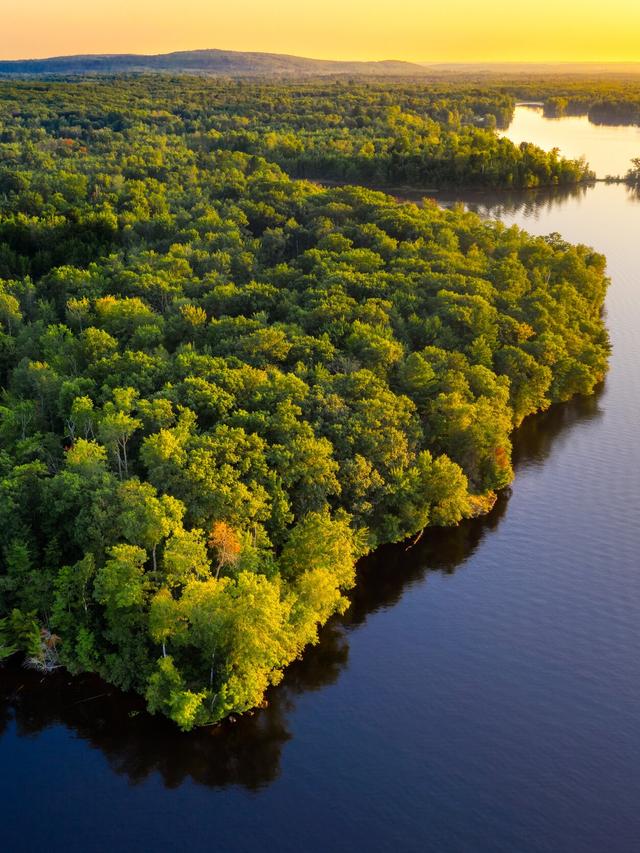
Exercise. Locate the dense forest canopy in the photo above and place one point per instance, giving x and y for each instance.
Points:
(222, 385)
(366, 132)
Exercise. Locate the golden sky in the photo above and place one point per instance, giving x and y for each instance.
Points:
(418, 30)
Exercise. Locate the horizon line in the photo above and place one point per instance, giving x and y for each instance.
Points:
(420, 62)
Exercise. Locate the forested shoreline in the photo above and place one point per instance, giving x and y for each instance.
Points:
(222, 385)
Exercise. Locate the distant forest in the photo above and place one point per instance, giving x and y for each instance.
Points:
(222, 385)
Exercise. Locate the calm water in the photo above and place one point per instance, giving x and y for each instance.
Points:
(482, 694)
(609, 150)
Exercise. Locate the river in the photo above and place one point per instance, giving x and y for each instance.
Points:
(482, 693)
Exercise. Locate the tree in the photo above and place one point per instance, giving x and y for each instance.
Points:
(204, 605)
(240, 627)
(147, 519)
(8, 647)
(431, 491)
(78, 312)
(116, 426)
(194, 319)
(87, 458)
(82, 418)
(319, 541)
(185, 557)
(164, 618)
(96, 344)
(224, 541)
(166, 693)
(121, 583)
(10, 313)
(72, 595)
(20, 631)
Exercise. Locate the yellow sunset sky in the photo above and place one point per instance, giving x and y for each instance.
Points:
(417, 30)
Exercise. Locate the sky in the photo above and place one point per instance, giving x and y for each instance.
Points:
(414, 30)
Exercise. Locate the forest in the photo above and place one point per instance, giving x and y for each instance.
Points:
(222, 384)
(373, 133)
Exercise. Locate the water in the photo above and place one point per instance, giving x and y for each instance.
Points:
(608, 149)
(482, 694)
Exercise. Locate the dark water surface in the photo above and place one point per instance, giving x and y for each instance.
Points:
(482, 693)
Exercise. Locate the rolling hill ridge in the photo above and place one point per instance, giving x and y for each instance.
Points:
(210, 62)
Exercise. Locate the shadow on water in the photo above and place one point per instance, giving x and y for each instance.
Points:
(247, 752)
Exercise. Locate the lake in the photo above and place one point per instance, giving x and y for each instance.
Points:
(483, 691)
(608, 149)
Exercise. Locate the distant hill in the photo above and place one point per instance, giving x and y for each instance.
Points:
(210, 62)
(231, 63)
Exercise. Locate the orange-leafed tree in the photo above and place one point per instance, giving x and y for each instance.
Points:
(225, 542)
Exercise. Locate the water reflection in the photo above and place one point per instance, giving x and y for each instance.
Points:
(248, 752)
(530, 204)
(535, 204)
(633, 193)
(496, 204)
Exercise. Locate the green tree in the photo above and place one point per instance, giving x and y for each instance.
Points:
(121, 582)
(145, 518)
(185, 557)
